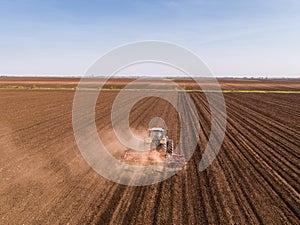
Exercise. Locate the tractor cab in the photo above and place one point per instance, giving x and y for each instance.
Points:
(157, 134)
(157, 138)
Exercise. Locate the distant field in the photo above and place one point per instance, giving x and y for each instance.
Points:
(253, 180)
(187, 85)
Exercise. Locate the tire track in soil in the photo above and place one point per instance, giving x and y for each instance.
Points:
(256, 148)
(212, 210)
(247, 200)
(281, 164)
(286, 160)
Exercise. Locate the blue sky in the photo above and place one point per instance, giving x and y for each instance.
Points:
(235, 38)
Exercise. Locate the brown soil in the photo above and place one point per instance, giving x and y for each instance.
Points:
(254, 179)
(225, 83)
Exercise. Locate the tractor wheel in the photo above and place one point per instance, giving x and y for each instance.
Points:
(170, 146)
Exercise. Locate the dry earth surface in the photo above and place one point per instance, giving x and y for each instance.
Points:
(254, 179)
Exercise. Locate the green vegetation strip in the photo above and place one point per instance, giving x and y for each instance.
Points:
(34, 87)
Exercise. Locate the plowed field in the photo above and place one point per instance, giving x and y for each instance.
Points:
(254, 179)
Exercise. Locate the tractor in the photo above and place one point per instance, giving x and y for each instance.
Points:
(161, 149)
(158, 140)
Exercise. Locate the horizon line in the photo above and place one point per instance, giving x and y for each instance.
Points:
(150, 76)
